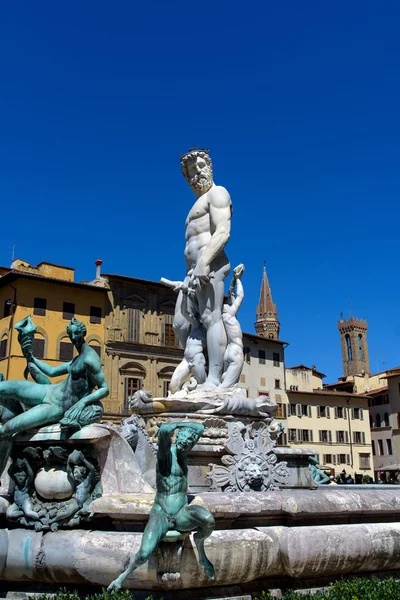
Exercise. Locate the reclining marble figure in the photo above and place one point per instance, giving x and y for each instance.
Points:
(73, 403)
(171, 510)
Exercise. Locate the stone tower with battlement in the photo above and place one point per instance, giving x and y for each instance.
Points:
(267, 324)
(353, 339)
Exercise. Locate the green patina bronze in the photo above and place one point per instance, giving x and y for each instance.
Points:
(317, 474)
(73, 403)
(171, 510)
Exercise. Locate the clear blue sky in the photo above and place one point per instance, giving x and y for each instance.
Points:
(299, 104)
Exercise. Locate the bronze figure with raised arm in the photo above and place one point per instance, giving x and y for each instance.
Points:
(74, 402)
(171, 510)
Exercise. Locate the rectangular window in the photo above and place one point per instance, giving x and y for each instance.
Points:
(38, 347)
(340, 437)
(261, 357)
(380, 447)
(342, 459)
(339, 412)
(262, 381)
(134, 325)
(95, 315)
(7, 308)
(243, 378)
(357, 437)
(389, 446)
(321, 411)
(132, 385)
(365, 461)
(323, 436)
(3, 347)
(292, 435)
(39, 306)
(276, 359)
(277, 384)
(304, 410)
(247, 354)
(165, 388)
(306, 435)
(66, 351)
(68, 310)
(169, 336)
(292, 410)
(356, 413)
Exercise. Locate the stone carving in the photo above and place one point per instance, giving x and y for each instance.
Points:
(171, 515)
(140, 398)
(317, 474)
(133, 430)
(56, 491)
(202, 291)
(251, 464)
(73, 403)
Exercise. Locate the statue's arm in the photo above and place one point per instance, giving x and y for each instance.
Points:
(52, 371)
(198, 428)
(220, 208)
(239, 297)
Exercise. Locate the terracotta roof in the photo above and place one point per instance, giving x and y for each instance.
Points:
(376, 391)
(15, 274)
(265, 339)
(327, 393)
(303, 367)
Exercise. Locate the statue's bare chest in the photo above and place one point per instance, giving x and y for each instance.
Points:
(199, 209)
(78, 368)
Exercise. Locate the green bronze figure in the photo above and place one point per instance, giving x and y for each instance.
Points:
(73, 403)
(171, 510)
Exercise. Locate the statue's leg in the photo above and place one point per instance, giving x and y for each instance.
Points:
(38, 416)
(14, 512)
(155, 530)
(210, 304)
(28, 509)
(235, 365)
(181, 325)
(199, 519)
(179, 376)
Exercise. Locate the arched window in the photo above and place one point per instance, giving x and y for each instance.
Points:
(66, 351)
(387, 420)
(38, 345)
(349, 352)
(360, 350)
(3, 346)
(378, 420)
(96, 346)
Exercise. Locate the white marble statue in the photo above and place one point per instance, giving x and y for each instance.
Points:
(233, 357)
(207, 232)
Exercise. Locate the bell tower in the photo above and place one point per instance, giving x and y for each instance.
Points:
(267, 324)
(353, 339)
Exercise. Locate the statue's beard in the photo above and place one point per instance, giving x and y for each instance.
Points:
(201, 182)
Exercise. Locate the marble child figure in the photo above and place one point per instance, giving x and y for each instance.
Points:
(208, 226)
(233, 357)
(74, 402)
(171, 510)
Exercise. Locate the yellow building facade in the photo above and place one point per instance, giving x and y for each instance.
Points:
(49, 294)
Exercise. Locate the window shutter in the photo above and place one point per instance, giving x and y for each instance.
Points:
(299, 435)
(344, 412)
(354, 437)
(334, 459)
(362, 415)
(309, 410)
(363, 437)
(311, 435)
(328, 412)
(284, 439)
(336, 413)
(318, 411)
(324, 458)
(298, 408)
(133, 325)
(346, 436)
(348, 459)
(284, 407)
(330, 437)
(352, 413)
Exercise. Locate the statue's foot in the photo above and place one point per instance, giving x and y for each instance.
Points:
(207, 386)
(208, 568)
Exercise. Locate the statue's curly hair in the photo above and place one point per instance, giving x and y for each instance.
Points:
(185, 158)
(76, 323)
